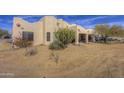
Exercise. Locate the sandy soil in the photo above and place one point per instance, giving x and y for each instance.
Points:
(88, 60)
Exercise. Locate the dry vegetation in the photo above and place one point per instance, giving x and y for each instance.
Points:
(88, 60)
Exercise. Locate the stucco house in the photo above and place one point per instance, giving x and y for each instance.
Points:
(42, 32)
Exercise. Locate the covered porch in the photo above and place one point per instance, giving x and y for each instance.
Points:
(84, 38)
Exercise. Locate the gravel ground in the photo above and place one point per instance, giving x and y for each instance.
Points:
(87, 60)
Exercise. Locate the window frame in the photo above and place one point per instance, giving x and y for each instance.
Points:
(28, 36)
(48, 36)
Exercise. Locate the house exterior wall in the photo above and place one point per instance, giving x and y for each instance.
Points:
(50, 25)
(46, 24)
(62, 24)
(36, 28)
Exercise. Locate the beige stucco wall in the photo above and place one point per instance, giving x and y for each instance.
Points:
(50, 25)
(36, 28)
(62, 23)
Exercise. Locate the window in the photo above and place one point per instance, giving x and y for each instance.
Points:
(48, 36)
(28, 36)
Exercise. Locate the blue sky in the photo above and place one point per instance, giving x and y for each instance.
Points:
(87, 21)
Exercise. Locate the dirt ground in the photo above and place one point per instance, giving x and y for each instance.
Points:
(87, 60)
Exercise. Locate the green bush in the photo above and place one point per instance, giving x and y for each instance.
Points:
(65, 36)
(56, 45)
(62, 38)
(22, 43)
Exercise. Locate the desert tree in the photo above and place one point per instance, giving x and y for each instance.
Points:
(117, 30)
(103, 30)
(3, 32)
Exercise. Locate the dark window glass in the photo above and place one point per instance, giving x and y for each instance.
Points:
(27, 36)
(48, 36)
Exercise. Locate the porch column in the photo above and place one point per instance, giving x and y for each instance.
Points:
(77, 38)
(93, 38)
(86, 38)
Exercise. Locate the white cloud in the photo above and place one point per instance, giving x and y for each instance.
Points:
(110, 23)
(30, 18)
(116, 23)
(93, 19)
(90, 20)
(89, 26)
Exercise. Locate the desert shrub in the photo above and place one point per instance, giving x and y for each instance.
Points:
(62, 38)
(56, 45)
(30, 51)
(65, 36)
(3, 32)
(22, 43)
(55, 57)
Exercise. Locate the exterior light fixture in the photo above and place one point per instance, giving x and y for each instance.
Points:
(18, 25)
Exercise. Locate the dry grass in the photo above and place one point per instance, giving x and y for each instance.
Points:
(4, 46)
(88, 60)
